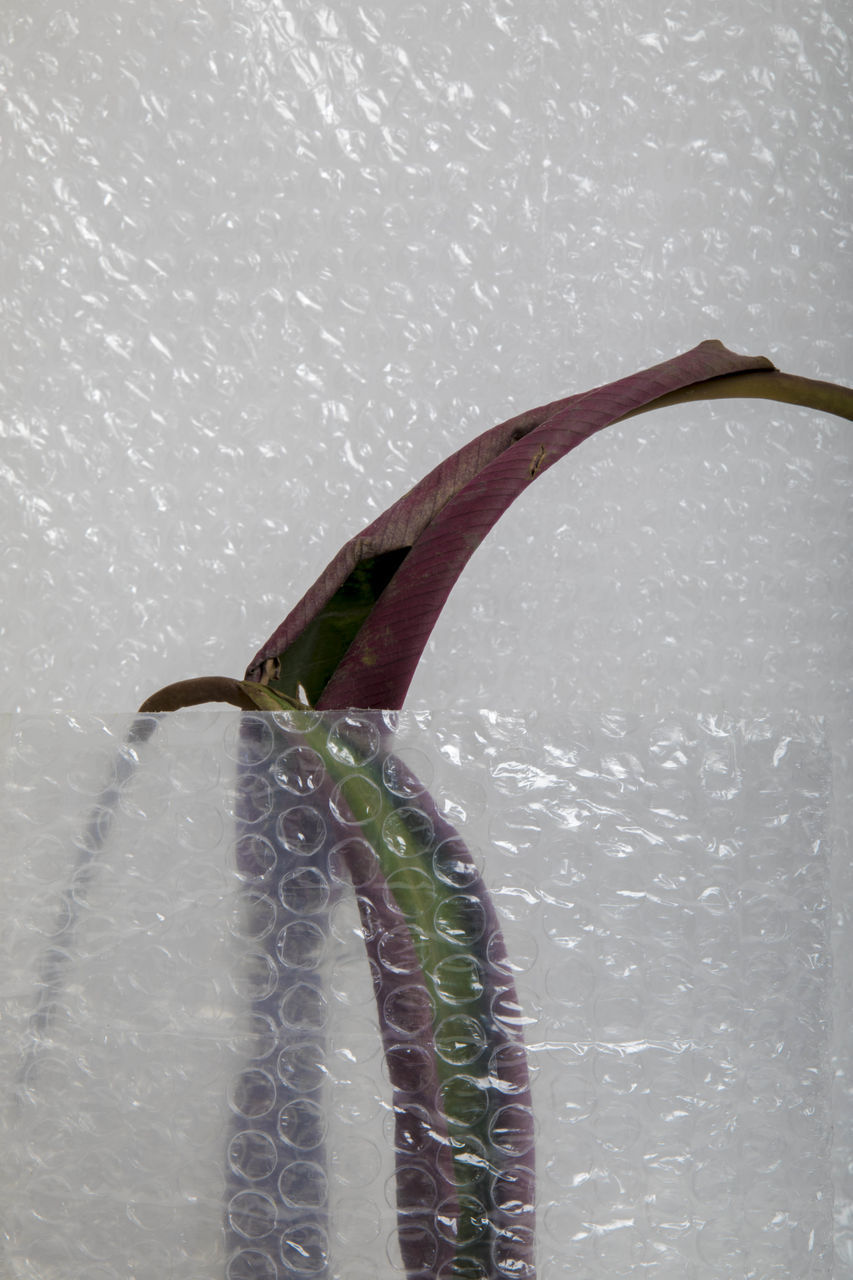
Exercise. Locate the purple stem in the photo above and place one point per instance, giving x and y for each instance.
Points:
(268, 1219)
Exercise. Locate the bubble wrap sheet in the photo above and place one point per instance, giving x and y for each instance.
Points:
(662, 886)
(265, 264)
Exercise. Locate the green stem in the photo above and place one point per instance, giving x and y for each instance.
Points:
(406, 863)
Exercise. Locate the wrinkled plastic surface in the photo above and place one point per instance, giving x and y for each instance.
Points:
(662, 886)
(266, 264)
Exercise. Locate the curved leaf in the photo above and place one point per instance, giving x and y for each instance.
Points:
(359, 631)
(380, 663)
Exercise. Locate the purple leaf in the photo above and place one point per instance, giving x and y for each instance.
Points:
(428, 536)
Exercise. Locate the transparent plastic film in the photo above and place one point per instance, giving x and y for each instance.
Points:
(452, 994)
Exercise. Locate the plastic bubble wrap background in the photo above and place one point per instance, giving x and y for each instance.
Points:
(209, 1085)
(265, 264)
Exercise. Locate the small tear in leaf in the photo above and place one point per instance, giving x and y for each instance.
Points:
(538, 459)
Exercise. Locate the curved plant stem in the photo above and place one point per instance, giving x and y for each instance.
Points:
(769, 384)
(447, 1009)
(195, 692)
